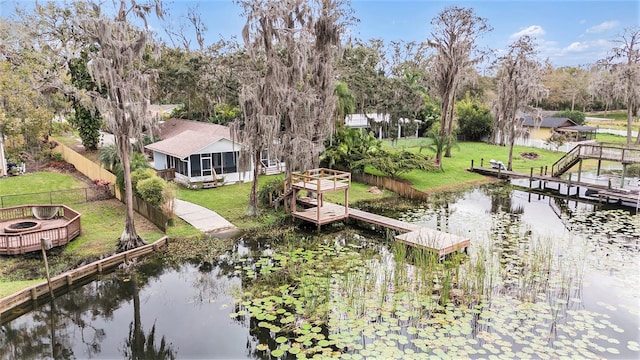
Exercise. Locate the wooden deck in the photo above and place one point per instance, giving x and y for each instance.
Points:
(435, 241)
(60, 230)
(329, 212)
(320, 180)
(320, 185)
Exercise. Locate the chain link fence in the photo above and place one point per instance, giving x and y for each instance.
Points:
(72, 196)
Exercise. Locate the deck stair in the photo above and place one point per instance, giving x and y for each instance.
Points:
(607, 152)
(566, 162)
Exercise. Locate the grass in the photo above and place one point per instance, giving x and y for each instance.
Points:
(231, 201)
(616, 120)
(102, 224)
(38, 182)
(455, 168)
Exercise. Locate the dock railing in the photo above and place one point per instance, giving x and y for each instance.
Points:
(321, 176)
(608, 152)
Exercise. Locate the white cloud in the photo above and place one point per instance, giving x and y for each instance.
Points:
(533, 31)
(607, 25)
(582, 46)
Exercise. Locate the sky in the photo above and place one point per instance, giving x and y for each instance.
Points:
(568, 33)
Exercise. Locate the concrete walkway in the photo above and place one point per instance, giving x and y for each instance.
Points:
(201, 218)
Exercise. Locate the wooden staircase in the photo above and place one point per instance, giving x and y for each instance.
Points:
(566, 162)
(607, 152)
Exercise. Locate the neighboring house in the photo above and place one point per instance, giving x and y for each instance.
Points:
(542, 129)
(200, 153)
(364, 121)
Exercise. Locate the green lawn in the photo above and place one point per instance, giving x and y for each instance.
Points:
(231, 201)
(455, 168)
(102, 224)
(616, 120)
(612, 139)
(38, 182)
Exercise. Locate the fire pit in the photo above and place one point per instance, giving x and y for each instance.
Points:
(22, 226)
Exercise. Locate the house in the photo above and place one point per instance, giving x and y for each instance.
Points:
(364, 121)
(542, 129)
(200, 153)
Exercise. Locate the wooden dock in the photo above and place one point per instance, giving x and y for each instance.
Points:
(604, 193)
(435, 241)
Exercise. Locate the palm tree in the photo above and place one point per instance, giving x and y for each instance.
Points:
(441, 144)
(346, 102)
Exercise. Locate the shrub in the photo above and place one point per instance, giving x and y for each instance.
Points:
(138, 175)
(274, 188)
(474, 119)
(151, 190)
(578, 117)
(393, 164)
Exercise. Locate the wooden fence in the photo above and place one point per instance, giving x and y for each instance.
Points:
(95, 171)
(87, 167)
(398, 187)
(69, 278)
(151, 213)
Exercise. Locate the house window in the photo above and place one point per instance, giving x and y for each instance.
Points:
(196, 166)
(229, 162)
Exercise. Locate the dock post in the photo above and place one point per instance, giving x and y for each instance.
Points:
(545, 169)
(471, 164)
(531, 179)
(579, 170)
(481, 162)
(569, 187)
(45, 244)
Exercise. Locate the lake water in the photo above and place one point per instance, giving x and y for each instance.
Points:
(537, 283)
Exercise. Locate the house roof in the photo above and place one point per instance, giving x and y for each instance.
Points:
(184, 144)
(173, 127)
(579, 128)
(548, 122)
(185, 137)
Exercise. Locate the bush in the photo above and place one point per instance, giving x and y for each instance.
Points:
(274, 188)
(56, 156)
(474, 119)
(393, 164)
(139, 175)
(151, 190)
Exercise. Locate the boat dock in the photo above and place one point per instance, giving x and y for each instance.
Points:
(611, 191)
(438, 242)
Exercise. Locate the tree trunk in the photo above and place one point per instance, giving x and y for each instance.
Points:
(629, 123)
(129, 238)
(252, 210)
(448, 145)
(512, 139)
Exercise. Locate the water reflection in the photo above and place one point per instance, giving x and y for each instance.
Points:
(557, 282)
